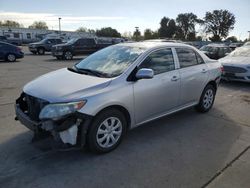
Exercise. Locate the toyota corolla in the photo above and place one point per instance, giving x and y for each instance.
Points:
(118, 88)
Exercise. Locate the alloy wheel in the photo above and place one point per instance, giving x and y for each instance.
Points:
(208, 99)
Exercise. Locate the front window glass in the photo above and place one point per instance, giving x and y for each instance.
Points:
(208, 49)
(111, 61)
(159, 61)
(241, 52)
(71, 41)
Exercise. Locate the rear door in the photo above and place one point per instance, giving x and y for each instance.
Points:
(193, 73)
(154, 97)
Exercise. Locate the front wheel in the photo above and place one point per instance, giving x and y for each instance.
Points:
(41, 51)
(106, 131)
(207, 99)
(68, 55)
(11, 58)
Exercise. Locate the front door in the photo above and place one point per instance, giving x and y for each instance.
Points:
(154, 97)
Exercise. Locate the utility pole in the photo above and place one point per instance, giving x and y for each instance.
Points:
(59, 25)
(249, 35)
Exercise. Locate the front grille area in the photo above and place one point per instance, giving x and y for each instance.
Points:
(34, 106)
(233, 69)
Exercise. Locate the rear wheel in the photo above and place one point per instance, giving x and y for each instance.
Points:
(11, 57)
(40, 51)
(68, 55)
(207, 99)
(106, 131)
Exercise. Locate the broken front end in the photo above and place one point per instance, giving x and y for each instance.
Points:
(60, 120)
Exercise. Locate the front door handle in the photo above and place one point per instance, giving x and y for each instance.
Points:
(204, 70)
(174, 78)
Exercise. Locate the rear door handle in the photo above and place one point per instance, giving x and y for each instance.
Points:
(204, 70)
(174, 78)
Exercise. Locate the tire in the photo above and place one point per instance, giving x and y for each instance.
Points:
(41, 51)
(207, 99)
(67, 55)
(102, 135)
(11, 58)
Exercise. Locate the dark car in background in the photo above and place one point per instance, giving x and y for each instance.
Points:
(44, 45)
(216, 51)
(78, 46)
(9, 52)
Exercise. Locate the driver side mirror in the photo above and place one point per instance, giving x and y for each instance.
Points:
(144, 74)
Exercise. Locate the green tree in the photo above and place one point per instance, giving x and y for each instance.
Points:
(149, 34)
(82, 29)
(186, 25)
(39, 25)
(219, 23)
(108, 32)
(167, 28)
(10, 24)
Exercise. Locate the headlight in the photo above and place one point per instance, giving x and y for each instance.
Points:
(58, 47)
(54, 111)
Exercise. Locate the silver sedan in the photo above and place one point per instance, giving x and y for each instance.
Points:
(117, 89)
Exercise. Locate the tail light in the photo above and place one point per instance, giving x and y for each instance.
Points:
(18, 49)
(222, 69)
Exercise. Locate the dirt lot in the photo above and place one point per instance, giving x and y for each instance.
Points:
(186, 149)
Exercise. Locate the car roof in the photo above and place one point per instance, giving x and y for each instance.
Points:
(148, 45)
(217, 45)
(6, 43)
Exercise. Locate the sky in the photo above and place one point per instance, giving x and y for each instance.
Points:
(123, 15)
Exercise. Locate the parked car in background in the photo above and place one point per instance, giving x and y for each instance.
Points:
(247, 44)
(216, 51)
(235, 45)
(77, 46)
(16, 42)
(116, 89)
(236, 66)
(10, 52)
(44, 45)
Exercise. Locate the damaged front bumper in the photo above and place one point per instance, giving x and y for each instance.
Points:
(70, 129)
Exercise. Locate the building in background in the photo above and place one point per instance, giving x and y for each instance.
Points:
(20, 36)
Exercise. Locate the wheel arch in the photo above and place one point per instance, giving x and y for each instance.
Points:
(121, 109)
(213, 83)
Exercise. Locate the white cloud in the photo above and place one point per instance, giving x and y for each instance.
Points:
(52, 19)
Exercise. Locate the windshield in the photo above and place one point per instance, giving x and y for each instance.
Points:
(71, 41)
(207, 48)
(111, 61)
(241, 52)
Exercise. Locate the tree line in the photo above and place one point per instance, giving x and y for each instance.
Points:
(216, 24)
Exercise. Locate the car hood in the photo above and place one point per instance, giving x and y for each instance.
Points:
(64, 86)
(235, 60)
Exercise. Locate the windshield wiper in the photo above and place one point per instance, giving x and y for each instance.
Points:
(90, 71)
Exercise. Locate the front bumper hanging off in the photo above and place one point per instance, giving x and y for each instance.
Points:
(70, 129)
